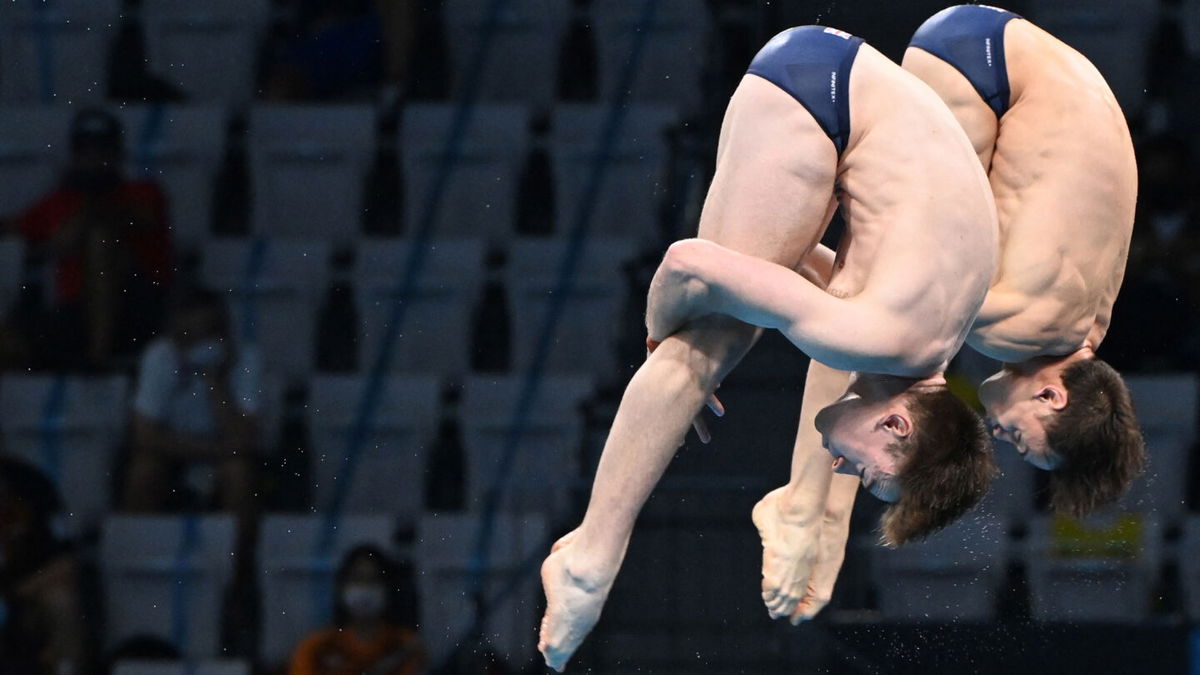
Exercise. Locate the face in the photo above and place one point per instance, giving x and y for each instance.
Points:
(1017, 405)
(857, 432)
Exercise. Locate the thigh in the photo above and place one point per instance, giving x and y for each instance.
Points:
(773, 191)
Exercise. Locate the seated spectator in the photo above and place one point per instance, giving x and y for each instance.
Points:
(41, 631)
(195, 411)
(336, 53)
(366, 637)
(108, 238)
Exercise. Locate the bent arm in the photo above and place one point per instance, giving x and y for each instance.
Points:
(698, 278)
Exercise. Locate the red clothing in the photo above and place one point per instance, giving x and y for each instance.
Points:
(333, 651)
(151, 247)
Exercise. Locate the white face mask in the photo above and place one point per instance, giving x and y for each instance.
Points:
(363, 600)
(205, 354)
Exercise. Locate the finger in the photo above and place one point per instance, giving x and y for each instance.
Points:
(702, 429)
(715, 405)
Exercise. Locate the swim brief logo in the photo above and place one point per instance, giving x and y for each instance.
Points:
(840, 33)
(994, 9)
(833, 86)
(987, 47)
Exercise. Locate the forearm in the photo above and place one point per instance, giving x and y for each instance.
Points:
(808, 492)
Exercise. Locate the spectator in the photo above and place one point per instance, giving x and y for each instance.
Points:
(108, 238)
(195, 411)
(42, 630)
(366, 637)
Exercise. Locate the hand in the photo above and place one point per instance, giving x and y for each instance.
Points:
(714, 404)
(791, 552)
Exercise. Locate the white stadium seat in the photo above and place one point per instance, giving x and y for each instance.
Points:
(56, 52)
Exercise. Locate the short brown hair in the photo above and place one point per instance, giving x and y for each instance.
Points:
(1097, 437)
(946, 469)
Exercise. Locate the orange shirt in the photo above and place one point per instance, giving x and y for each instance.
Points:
(335, 651)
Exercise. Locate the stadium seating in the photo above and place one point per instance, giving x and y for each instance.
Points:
(527, 34)
(445, 552)
(34, 147)
(434, 336)
(479, 195)
(166, 576)
(180, 148)
(274, 287)
(954, 575)
(212, 667)
(546, 462)
(1102, 569)
(586, 330)
(673, 55)
(56, 52)
(387, 475)
(297, 573)
(69, 427)
(1166, 409)
(207, 50)
(308, 164)
(627, 198)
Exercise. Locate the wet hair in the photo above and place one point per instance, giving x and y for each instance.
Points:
(946, 467)
(1097, 438)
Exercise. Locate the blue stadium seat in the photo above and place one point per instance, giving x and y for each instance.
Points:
(69, 428)
(274, 287)
(953, 575)
(479, 197)
(673, 57)
(547, 461)
(34, 146)
(308, 164)
(444, 552)
(388, 473)
(632, 184)
(166, 576)
(586, 333)
(208, 50)
(180, 148)
(56, 52)
(435, 334)
(523, 53)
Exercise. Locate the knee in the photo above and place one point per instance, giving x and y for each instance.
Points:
(684, 261)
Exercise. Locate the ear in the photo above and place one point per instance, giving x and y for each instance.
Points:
(898, 424)
(1054, 395)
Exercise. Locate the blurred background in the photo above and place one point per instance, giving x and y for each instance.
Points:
(315, 314)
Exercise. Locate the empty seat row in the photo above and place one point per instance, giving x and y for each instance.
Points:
(71, 428)
(56, 52)
(308, 166)
(166, 576)
(277, 286)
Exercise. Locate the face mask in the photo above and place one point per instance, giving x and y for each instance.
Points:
(206, 354)
(363, 600)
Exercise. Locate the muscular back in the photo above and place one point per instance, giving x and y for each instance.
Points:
(1062, 170)
(921, 222)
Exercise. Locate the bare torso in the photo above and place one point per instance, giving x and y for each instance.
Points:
(1061, 167)
(921, 235)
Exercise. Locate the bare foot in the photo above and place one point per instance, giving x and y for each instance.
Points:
(573, 605)
(789, 555)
